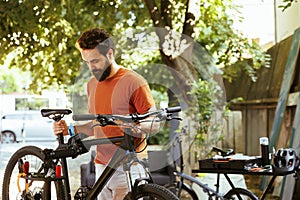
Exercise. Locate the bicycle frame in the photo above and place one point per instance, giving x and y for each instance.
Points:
(64, 170)
(210, 191)
(46, 168)
(124, 153)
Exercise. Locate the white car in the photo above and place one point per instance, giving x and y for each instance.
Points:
(26, 125)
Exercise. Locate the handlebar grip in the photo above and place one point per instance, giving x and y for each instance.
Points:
(84, 117)
(173, 109)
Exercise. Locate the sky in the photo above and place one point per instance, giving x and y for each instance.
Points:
(258, 19)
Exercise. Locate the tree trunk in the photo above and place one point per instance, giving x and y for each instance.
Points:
(180, 61)
(184, 71)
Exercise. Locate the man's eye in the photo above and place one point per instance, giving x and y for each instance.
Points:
(95, 61)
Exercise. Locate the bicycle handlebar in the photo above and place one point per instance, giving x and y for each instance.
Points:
(106, 119)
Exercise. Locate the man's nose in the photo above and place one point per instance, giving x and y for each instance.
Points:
(91, 66)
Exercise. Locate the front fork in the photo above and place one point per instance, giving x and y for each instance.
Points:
(141, 175)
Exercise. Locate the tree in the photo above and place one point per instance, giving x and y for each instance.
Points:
(8, 84)
(287, 4)
(211, 25)
(43, 38)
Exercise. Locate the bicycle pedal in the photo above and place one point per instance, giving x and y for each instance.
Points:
(82, 192)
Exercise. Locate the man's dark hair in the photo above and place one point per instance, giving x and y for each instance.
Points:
(96, 37)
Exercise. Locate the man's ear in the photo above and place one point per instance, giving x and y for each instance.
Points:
(110, 54)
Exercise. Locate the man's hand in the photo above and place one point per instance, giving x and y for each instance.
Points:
(60, 127)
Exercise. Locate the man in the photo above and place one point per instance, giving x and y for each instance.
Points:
(112, 90)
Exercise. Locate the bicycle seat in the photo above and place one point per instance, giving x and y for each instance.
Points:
(223, 152)
(49, 112)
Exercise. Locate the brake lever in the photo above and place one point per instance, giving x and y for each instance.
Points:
(178, 118)
(94, 125)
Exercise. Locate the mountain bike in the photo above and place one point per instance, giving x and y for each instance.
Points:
(33, 173)
(183, 190)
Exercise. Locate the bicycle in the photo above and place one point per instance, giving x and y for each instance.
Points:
(33, 173)
(183, 190)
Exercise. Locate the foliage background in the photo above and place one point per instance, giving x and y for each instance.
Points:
(42, 34)
(39, 37)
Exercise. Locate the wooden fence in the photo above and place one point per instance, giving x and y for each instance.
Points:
(244, 128)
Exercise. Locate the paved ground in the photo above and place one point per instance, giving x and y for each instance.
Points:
(6, 150)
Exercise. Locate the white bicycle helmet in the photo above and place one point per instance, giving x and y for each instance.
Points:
(285, 160)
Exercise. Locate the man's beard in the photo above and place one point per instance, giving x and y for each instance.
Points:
(102, 74)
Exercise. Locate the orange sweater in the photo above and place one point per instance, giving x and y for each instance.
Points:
(124, 93)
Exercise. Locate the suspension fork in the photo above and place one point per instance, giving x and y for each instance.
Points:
(143, 175)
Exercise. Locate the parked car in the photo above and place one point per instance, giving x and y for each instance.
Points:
(26, 125)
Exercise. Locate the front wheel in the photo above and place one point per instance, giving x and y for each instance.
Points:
(19, 186)
(240, 194)
(151, 191)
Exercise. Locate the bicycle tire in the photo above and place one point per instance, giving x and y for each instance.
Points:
(187, 193)
(240, 193)
(37, 189)
(151, 191)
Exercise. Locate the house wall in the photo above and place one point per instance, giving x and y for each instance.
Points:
(286, 22)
